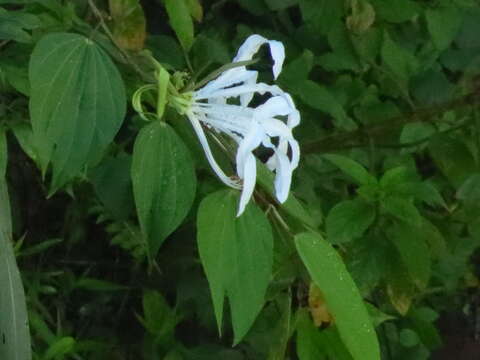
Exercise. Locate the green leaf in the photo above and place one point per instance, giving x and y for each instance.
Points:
(181, 21)
(77, 103)
(362, 18)
(308, 340)
(397, 59)
(348, 220)
(113, 185)
(400, 287)
(14, 332)
(416, 132)
(297, 70)
(414, 252)
(341, 294)
(403, 209)
(159, 318)
(129, 25)
(408, 338)
(60, 348)
(453, 158)
(423, 321)
(396, 11)
(237, 256)
(196, 9)
(321, 15)
(163, 180)
(166, 50)
(318, 97)
(13, 25)
(24, 135)
(351, 168)
(469, 191)
(443, 24)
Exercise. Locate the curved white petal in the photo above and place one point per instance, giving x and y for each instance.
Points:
(249, 143)
(275, 106)
(227, 79)
(250, 176)
(283, 177)
(251, 46)
(278, 55)
(204, 142)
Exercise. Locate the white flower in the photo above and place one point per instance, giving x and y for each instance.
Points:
(249, 126)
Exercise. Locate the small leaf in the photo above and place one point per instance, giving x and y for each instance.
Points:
(319, 97)
(196, 9)
(13, 25)
(341, 294)
(129, 26)
(400, 288)
(237, 256)
(351, 168)
(415, 132)
(403, 209)
(396, 11)
(453, 158)
(362, 18)
(181, 21)
(77, 103)
(321, 15)
(414, 253)
(159, 318)
(398, 59)
(60, 348)
(443, 23)
(163, 180)
(348, 220)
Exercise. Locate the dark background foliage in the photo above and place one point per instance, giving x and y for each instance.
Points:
(390, 174)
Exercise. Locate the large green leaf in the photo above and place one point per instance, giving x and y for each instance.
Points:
(341, 294)
(164, 182)
(181, 21)
(77, 103)
(237, 255)
(14, 332)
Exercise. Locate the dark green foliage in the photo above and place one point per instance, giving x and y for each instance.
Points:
(117, 242)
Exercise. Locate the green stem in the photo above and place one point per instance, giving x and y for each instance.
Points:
(359, 138)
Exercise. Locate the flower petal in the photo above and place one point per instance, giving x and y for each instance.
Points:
(204, 142)
(250, 176)
(249, 143)
(283, 178)
(251, 46)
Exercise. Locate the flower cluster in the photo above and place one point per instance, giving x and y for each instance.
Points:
(249, 126)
